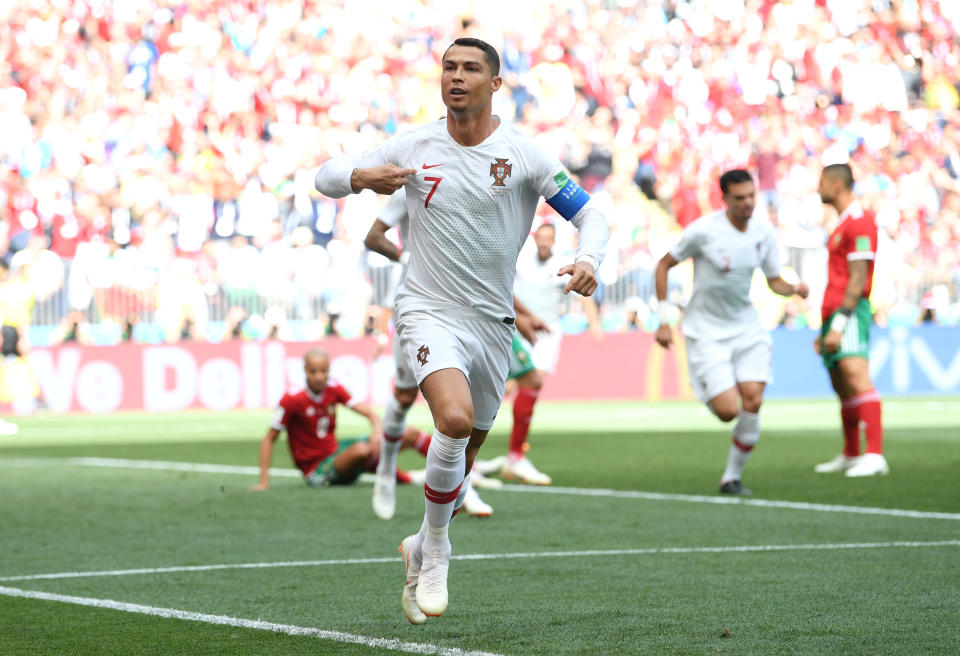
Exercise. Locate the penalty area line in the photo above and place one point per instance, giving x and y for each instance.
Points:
(225, 620)
(747, 548)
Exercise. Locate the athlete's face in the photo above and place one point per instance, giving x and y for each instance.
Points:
(741, 198)
(544, 239)
(317, 370)
(466, 84)
(828, 189)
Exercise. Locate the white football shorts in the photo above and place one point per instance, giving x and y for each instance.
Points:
(403, 376)
(718, 365)
(432, 340)
(546, 350)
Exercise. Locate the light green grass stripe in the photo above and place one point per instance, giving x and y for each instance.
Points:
(206, 618)
(747, 548)
(246, 470)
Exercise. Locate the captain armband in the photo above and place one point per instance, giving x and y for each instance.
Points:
(570, 199)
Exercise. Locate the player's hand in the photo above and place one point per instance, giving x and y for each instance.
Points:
(664, 335)
(259, 487)
(583, 279)
(525, 326)
(831, 342)
(816, 345)
(383, 179)
(801, 289)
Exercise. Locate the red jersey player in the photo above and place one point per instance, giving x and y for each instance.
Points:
(845, 335)
(310, 419)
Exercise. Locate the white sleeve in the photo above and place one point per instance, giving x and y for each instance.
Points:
(594, 233)
(333, 178)
(771, 259)
(395, 209)
(689, 244)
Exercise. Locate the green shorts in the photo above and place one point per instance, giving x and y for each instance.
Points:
(325, 468)
(521, 360)
(855, 340)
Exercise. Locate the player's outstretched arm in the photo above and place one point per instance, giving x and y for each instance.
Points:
(784, 288)
(266, 455)
(376, 426)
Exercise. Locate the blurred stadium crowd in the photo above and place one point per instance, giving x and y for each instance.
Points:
(157, 157)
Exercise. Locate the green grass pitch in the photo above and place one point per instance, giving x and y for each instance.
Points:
(628, 553)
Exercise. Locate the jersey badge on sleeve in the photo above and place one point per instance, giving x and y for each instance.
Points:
(500, 171)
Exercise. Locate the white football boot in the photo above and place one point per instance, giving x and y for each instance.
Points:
(524, 471)
(869, 464)
(385, 495)
(432, 583)
(839, 464)
(411, 564)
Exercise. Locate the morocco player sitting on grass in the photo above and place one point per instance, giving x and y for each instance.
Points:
(309, 417)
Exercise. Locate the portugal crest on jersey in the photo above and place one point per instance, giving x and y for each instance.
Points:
(500, 171)
(422, 354)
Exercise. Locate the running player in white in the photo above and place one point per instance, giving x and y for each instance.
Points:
(539, 290)
(473, 185)
(394, 214)
(729, 354)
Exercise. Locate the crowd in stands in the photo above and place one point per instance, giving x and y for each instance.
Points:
(157, 156)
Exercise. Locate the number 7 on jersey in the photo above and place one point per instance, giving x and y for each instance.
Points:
(436, 183)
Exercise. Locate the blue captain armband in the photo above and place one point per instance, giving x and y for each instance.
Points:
(571, 197)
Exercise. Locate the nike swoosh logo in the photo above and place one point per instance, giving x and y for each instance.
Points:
(430, 166)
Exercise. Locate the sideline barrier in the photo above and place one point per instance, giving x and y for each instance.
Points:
(170, 377)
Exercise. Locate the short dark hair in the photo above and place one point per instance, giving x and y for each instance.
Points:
(489, 52)
(841, 172)
(732, 177)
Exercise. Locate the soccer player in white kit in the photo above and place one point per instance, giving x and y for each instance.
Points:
(473, 185)
(394, 215)
(729, 354)
(541, 292)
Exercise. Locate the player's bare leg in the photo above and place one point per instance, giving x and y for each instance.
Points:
(447, 393)
(394, 422)
(860, 405)
(517, 465)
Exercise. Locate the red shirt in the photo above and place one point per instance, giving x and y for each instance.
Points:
(854, 239)
(310, 421)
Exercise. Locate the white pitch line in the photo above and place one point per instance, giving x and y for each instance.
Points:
(731, 501)
(288, 629)
(121, 463)
(747, 548)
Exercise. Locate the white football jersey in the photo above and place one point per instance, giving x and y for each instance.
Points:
(538, 286)
(723, 262)
(394, 215)
(470, 210)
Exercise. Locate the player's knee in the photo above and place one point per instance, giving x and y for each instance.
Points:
(454, 421)
(405, 397)
(752, 403)
(531, 380)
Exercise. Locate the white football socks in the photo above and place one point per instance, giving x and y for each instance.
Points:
(446, 460)
(746, 434)
(394, 423)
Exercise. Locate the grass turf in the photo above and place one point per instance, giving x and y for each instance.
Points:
(885, 600)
